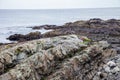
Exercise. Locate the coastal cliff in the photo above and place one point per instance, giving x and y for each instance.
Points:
(59, 58)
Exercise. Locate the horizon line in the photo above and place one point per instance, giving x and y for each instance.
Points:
(55, 8)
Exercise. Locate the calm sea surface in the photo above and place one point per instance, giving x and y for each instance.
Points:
(16, 21)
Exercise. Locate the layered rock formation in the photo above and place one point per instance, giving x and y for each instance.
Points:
(57, 58)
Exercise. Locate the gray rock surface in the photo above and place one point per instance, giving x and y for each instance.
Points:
(58, 58)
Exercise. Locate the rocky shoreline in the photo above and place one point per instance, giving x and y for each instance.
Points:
(81, 50)
(96, 29)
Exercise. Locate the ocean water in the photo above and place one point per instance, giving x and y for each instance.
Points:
(16, 21)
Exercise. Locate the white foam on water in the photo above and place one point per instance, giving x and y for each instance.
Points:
(6, 32)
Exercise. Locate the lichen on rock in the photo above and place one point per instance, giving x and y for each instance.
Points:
(57, 58)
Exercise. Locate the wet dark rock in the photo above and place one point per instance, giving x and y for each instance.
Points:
(113, 22)
(37, 27)
(96, 22)
(1, 44)
(27, 37)
(45, 27)
(16, 37)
